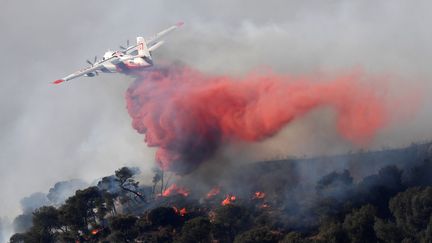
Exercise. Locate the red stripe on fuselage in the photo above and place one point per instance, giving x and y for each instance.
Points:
(126, 66)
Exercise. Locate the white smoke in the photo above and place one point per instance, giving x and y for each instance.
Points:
(82, 129)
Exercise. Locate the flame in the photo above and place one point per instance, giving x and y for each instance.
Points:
(259, 195)
(228, 200)
(213, 192)
(182, 212)
(174, 189)
(95, 231)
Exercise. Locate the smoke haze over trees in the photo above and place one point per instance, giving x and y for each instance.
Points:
(82, 130)
(391, 205)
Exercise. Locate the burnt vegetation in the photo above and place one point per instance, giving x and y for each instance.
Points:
(269, 201)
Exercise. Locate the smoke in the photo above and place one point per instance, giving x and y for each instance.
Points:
(188, 115)
(34, 201)
(56, 196)
(80, 130)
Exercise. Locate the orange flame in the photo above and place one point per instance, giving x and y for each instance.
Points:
(95, 231)
(259, 195)
(182, 212)
(228, 200)
(213, 192)
(174, 189)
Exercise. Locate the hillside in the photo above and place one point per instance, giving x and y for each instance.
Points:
(369, 196)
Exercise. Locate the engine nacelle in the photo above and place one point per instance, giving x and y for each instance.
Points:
(90, 75)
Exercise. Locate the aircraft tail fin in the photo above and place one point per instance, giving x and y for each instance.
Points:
(142, 48)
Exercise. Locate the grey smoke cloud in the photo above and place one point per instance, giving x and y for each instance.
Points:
(82, 130)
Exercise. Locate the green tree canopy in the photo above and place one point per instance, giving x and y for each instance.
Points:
(196, 230)
(257, 235)
(412, 209)
(360, 224)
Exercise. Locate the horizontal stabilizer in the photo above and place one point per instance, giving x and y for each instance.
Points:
(156, 46)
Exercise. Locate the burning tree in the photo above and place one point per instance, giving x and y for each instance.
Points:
(158, 177)
(335, 209)
(127, 183)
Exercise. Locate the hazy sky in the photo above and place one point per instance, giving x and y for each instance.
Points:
(82, 130)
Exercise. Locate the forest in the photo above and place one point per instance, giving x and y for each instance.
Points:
(271, 202)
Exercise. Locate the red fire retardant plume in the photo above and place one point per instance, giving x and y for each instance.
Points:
(187, 115)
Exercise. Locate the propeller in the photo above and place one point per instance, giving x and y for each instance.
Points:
(92, 63)
(127, 45)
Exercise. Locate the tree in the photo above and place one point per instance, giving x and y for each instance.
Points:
(127, 183)
(88, 206)
(46, 218)
(36, 234)
(123, 228)
(332, 232)
(334, 190)
(293, 237)
(360, 224)
(158, 177)
(163, 216)
(231, 220)
(162, 235)
(378, 189)
(45, 226)
(387, 232)
(334, 183)
(420, 174)
(257, 235)
(196, 230)
(18, 238)
(412, 209)
(426, 236)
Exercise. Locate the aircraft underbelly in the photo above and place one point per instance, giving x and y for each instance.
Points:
(109, 68)
(135, 64)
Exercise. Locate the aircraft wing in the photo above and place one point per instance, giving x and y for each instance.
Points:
(91, 69)
(154, 39)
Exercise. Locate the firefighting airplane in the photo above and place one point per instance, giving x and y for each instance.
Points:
(130, 58)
